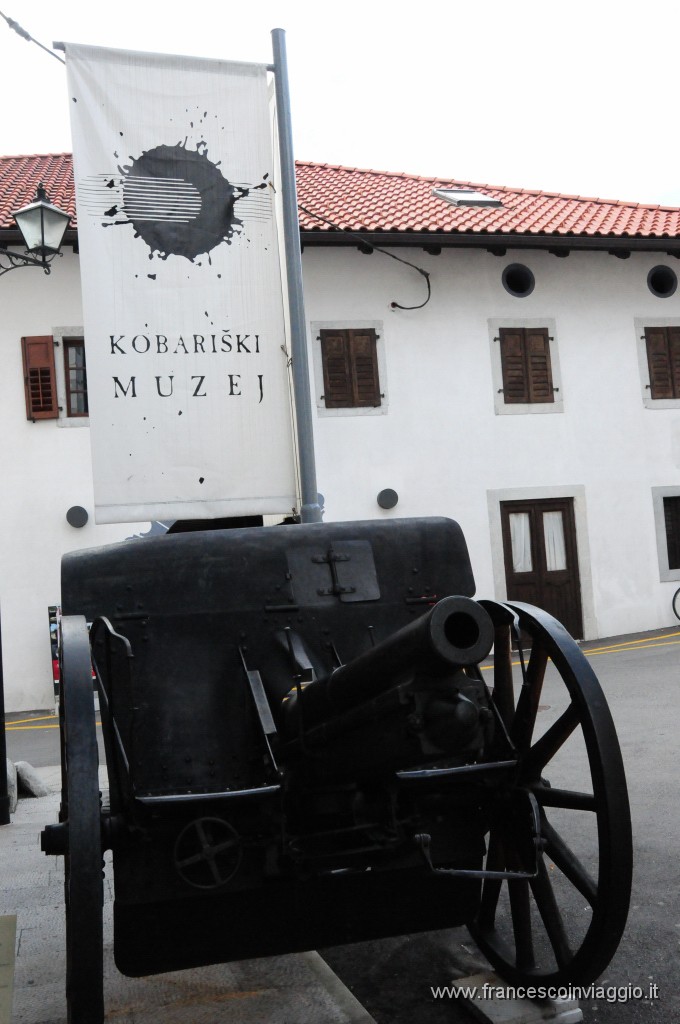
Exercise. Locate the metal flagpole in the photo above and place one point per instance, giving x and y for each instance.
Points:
(4, 794)
(310, 512)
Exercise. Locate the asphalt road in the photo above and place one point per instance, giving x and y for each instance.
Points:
(393, 978)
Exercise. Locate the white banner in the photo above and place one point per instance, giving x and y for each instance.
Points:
(190, 408)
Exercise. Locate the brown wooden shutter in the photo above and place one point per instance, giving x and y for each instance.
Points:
(674, 358)
(525, 364)
(539, 370)
(659, 362)
(364, 363)
(350, 368)
(337, 375)
(513, 363)
(39, 378)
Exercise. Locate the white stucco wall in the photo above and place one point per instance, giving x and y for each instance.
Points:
(445, 450)
(45, 470)
(438, 440)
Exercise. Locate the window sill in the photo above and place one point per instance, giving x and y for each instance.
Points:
(73, 421)
(528, 408)
(358, 410)
(660, 403)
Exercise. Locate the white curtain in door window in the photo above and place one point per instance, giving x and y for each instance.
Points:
(555, 548)
(520, 540)
(190, 406)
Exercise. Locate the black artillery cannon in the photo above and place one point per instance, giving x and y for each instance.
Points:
(309, 743)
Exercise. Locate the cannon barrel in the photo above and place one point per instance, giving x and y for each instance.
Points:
(456, 632)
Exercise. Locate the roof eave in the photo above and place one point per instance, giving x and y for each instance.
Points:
(451, 240)
(478, 240)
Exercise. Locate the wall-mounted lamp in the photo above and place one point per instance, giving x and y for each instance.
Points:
(43, 227)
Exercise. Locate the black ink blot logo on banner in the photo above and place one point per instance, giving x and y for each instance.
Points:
(179, 202)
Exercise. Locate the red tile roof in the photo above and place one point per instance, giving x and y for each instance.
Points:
(333, 199)
(21, 175)
(360, 200)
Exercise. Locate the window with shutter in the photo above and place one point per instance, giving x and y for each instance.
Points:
(39, 378)
(525, 365)
(663, 360)
(350, 368)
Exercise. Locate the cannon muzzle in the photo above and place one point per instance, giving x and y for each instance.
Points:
(455, 633)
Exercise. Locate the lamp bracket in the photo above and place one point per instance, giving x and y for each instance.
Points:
(12, 260)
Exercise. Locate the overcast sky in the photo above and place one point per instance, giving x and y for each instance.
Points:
(577, 97)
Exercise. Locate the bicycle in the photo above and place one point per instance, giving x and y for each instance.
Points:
(675, 603)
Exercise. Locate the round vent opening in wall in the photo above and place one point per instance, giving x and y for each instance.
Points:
(388, 498)
(518, 280)
(662, 281)
(77, 516)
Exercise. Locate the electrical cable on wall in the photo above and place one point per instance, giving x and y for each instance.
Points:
(365, 242)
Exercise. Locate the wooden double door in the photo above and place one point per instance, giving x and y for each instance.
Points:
(541, 558)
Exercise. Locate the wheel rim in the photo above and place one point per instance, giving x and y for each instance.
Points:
(676, 604)
(83, 886)
(563, 926)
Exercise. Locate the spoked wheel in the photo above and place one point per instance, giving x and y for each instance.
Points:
(80, 809)
(675, 604)
(564, 925)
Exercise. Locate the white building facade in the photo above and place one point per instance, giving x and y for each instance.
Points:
(46, 471)
(447, 443)
(567, 493)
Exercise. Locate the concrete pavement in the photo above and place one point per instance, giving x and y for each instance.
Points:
(392, 978)
(280, 990)
(296, 989)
